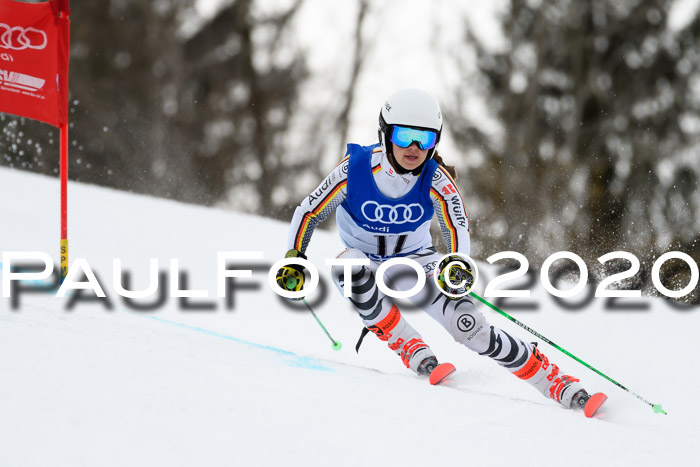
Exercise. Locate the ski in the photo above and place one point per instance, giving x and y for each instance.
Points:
(594, 403)
(441, 373)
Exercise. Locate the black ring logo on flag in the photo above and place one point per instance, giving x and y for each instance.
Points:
(19, 38)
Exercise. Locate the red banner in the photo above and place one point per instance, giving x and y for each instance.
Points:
(34, 52)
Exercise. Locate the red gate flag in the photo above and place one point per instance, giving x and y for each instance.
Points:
(34, 52)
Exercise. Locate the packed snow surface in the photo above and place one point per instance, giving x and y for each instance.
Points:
(255, 381)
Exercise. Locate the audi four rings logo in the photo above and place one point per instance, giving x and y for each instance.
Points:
(19, 38)
(387, 214)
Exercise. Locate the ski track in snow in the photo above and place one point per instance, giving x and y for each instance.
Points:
(258, 384)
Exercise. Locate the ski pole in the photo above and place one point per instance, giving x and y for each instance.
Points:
(656, 407)
(336, 344)
(290, 284)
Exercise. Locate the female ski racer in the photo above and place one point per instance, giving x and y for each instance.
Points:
(385, 196)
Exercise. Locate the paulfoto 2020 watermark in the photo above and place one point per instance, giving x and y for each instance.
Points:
(31, 271)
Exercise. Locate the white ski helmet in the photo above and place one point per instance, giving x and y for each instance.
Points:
(411, 108)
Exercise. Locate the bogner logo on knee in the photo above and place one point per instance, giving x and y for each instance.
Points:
(466, 323)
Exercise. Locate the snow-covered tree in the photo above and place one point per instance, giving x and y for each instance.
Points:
(598, 103)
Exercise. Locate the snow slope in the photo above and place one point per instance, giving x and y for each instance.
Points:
(259, 384)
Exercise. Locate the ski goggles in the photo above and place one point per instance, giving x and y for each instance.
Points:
(404, 136)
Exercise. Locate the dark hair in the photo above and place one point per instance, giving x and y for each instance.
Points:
(450, 169)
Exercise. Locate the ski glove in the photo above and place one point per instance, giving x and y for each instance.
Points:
(291, 277)
(458, 273)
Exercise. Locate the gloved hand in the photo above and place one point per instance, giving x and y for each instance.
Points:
(459, 272)
(291, 277)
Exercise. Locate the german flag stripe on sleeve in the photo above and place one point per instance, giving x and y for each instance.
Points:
(341, 162)
(448, 220)
(447, 174)
(309, 216)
